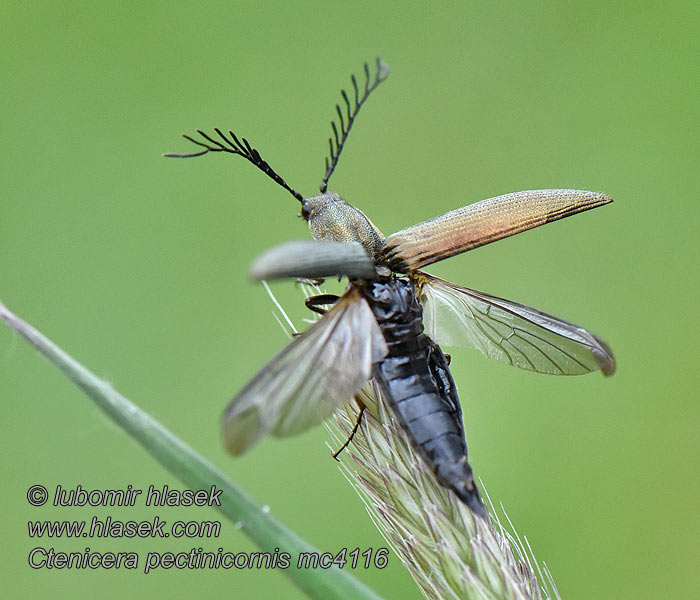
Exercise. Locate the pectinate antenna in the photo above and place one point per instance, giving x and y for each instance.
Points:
(233, 145)
(346, 120)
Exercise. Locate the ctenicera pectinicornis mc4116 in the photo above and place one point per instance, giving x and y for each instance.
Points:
(390, 320)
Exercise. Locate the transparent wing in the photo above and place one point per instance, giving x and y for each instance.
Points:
(508, 331)
(310, 378)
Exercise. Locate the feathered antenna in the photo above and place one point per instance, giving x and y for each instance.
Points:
(338, 140)
(234, 146)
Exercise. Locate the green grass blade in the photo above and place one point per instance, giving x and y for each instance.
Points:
(196, 472)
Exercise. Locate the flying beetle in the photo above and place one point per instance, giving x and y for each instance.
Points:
(390, 321)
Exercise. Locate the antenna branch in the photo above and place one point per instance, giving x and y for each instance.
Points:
(233, 145)
(347, 117)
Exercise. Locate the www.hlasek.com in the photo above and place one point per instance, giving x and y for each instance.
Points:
(195, 558)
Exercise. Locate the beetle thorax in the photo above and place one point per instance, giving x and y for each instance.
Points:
(331, 218)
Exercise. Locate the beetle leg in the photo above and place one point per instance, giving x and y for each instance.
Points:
(315, 302)
(354, 429)
(306, 281)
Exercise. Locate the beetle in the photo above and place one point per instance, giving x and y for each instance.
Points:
(390, 321)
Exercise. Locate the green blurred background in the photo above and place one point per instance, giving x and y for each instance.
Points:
(137, 264)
